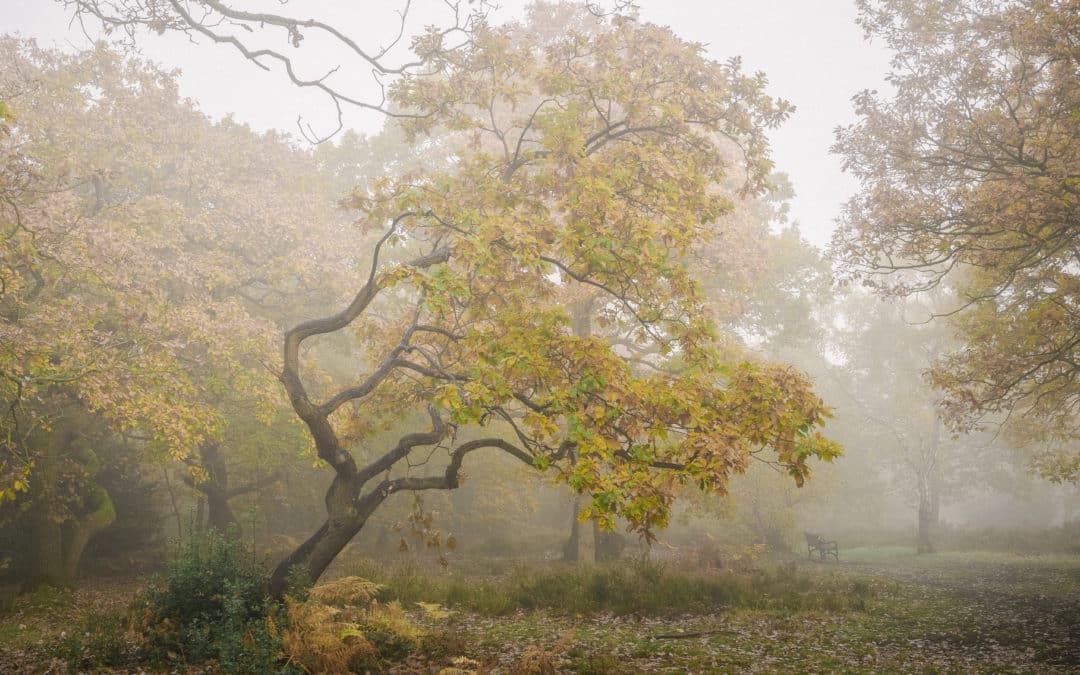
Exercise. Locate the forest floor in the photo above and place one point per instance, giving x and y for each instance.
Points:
(893, 612)
(933, 613)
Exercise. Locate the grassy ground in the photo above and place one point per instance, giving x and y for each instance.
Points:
(878, 610)
(933, 613)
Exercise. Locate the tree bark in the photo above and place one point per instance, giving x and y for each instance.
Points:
(581, 326)
(217, 493)
(925, 533)
(315, 554)
(346, 514)
(57, 543)
(344, 521)
(219, 515)
(572, 547)
(928, 507)
(79, 531)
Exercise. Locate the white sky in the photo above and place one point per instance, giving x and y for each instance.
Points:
(811, 50)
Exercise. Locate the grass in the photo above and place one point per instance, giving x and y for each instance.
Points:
(878, 610)
(630, 587)
(939, 613)
(51, 626)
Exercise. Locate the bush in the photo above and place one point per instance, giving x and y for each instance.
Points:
(211, 607)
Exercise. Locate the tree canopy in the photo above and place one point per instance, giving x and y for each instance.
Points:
(970, 176)
(138, 295)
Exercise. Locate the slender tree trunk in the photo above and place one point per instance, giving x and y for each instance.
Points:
(172, 501)
(928, 507)
(934, 478)
(925, 533)
(581, 326)
(935, 501)
(599, 553)
(572, 547)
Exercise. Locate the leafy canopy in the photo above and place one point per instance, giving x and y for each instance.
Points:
(146, 256)
(588, 162)
(971, 176)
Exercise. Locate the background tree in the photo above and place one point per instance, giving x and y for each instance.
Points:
(141, 297)
(885, 355)
(890, 416)
(971, 173)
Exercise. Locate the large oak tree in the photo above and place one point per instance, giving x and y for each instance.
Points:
(590, 163)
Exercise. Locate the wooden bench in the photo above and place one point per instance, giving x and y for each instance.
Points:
(824, 547)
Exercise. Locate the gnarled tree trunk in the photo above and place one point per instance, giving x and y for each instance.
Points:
(79, 531)
(57, 540)
(216, 490)
(344, 521)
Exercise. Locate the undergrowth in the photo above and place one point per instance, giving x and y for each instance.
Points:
(342, 628)
(211, 609)
(210, 606)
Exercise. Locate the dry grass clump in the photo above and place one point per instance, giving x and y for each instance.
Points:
(462, 665)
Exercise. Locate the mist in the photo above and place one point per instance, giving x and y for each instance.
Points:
(538, 337)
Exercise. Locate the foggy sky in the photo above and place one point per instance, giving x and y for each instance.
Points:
(812, 52)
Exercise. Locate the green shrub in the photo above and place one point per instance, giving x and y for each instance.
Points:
(211, 606)
(298, 583)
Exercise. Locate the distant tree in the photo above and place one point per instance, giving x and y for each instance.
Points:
(885, 353)
(769, 290)
(891, 418)
(970, 175)
(589, 168)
